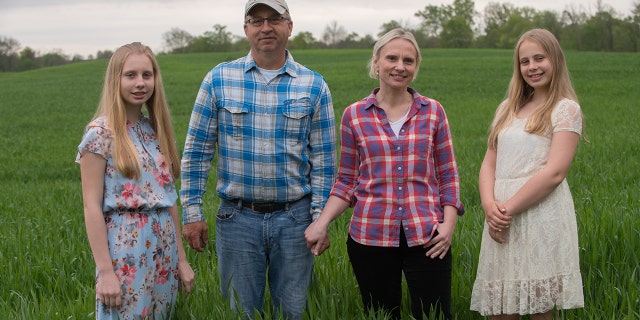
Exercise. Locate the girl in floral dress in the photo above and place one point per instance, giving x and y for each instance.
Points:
(529, 257)
(128, 163)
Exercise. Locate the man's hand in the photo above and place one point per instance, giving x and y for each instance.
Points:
(196, 235)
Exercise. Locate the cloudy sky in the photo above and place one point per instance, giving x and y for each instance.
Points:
(86, 26)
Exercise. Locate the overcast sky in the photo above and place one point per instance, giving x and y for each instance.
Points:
(86, 26)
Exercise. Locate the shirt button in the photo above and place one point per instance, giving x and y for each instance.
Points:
(399, 168)
(400, 209)
(400, 188)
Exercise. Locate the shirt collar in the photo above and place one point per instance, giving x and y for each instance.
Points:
(418, 99)
(289, 65)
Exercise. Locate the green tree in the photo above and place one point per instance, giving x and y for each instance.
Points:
(512, 30)
(598, 32)
(456, 33)
(177, 40)
(27, 59)
(303, 40)
(220, 38)
(106, 54)
(241, 44)
(388, 26)
(466, 10)
(9, 59)
(496, 16)
(573, 20)
(53, 59)
(433, 18)
(626, 35)
(548, 20)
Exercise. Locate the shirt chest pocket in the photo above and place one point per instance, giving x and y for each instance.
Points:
(296, 119)
(232, 115)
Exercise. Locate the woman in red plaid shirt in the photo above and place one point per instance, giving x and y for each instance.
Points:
(398, 172)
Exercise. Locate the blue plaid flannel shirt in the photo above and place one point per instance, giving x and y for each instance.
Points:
(275, 141)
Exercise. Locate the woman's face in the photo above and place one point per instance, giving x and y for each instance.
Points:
(396, 63)
(535, 67)
(138, 80)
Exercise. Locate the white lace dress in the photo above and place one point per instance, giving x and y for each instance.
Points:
(538, 268)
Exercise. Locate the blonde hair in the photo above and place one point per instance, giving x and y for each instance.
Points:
(519, 92)
(112, 107)
(397, 33)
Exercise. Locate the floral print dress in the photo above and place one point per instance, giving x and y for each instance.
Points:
(140, 230)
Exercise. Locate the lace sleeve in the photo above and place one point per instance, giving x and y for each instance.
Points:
(567, 116)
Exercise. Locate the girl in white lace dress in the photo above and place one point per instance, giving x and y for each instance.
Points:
(529, 260)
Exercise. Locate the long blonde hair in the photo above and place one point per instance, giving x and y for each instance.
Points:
(112, 107)
(519, 92)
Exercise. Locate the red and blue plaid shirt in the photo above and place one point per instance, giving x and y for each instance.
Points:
(393, 182)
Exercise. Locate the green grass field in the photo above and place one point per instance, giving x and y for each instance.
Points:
(46, 267)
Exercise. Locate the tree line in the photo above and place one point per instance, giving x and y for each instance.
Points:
(456, 25)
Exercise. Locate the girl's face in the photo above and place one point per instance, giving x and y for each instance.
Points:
(396, 63)
(535, 66)
(137, 82)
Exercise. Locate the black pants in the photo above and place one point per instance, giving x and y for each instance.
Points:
(378, 271)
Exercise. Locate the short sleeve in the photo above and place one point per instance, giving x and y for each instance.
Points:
(567, 116)
(97, 139)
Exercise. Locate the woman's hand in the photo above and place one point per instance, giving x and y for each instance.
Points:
(109, 289)
(441, 243)
(317, 238)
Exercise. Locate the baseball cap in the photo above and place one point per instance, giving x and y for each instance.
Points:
(278, 5)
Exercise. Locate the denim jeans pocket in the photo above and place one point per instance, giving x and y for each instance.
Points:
(226, 213)
(300, 211)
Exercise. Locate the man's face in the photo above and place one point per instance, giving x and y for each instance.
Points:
(270, 36)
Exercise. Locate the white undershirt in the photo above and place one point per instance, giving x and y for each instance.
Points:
(269, 74)
(397, 125)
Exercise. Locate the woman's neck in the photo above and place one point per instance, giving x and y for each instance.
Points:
(393, 99)
(394, 103)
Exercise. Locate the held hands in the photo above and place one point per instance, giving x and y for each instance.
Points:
(317, 238)
(498, 221)
(186, 276)
(108, 289)
(196, 235)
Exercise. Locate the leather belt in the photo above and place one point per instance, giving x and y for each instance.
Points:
(264, 207)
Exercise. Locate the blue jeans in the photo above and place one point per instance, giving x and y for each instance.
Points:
(252, 245)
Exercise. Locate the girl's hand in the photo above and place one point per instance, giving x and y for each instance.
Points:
(186, 275)
(109, 289)
(497, 217)
(498, 236)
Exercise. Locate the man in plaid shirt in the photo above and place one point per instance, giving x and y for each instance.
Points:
(272, 122)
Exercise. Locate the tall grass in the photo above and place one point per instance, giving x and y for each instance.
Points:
(46, 267)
